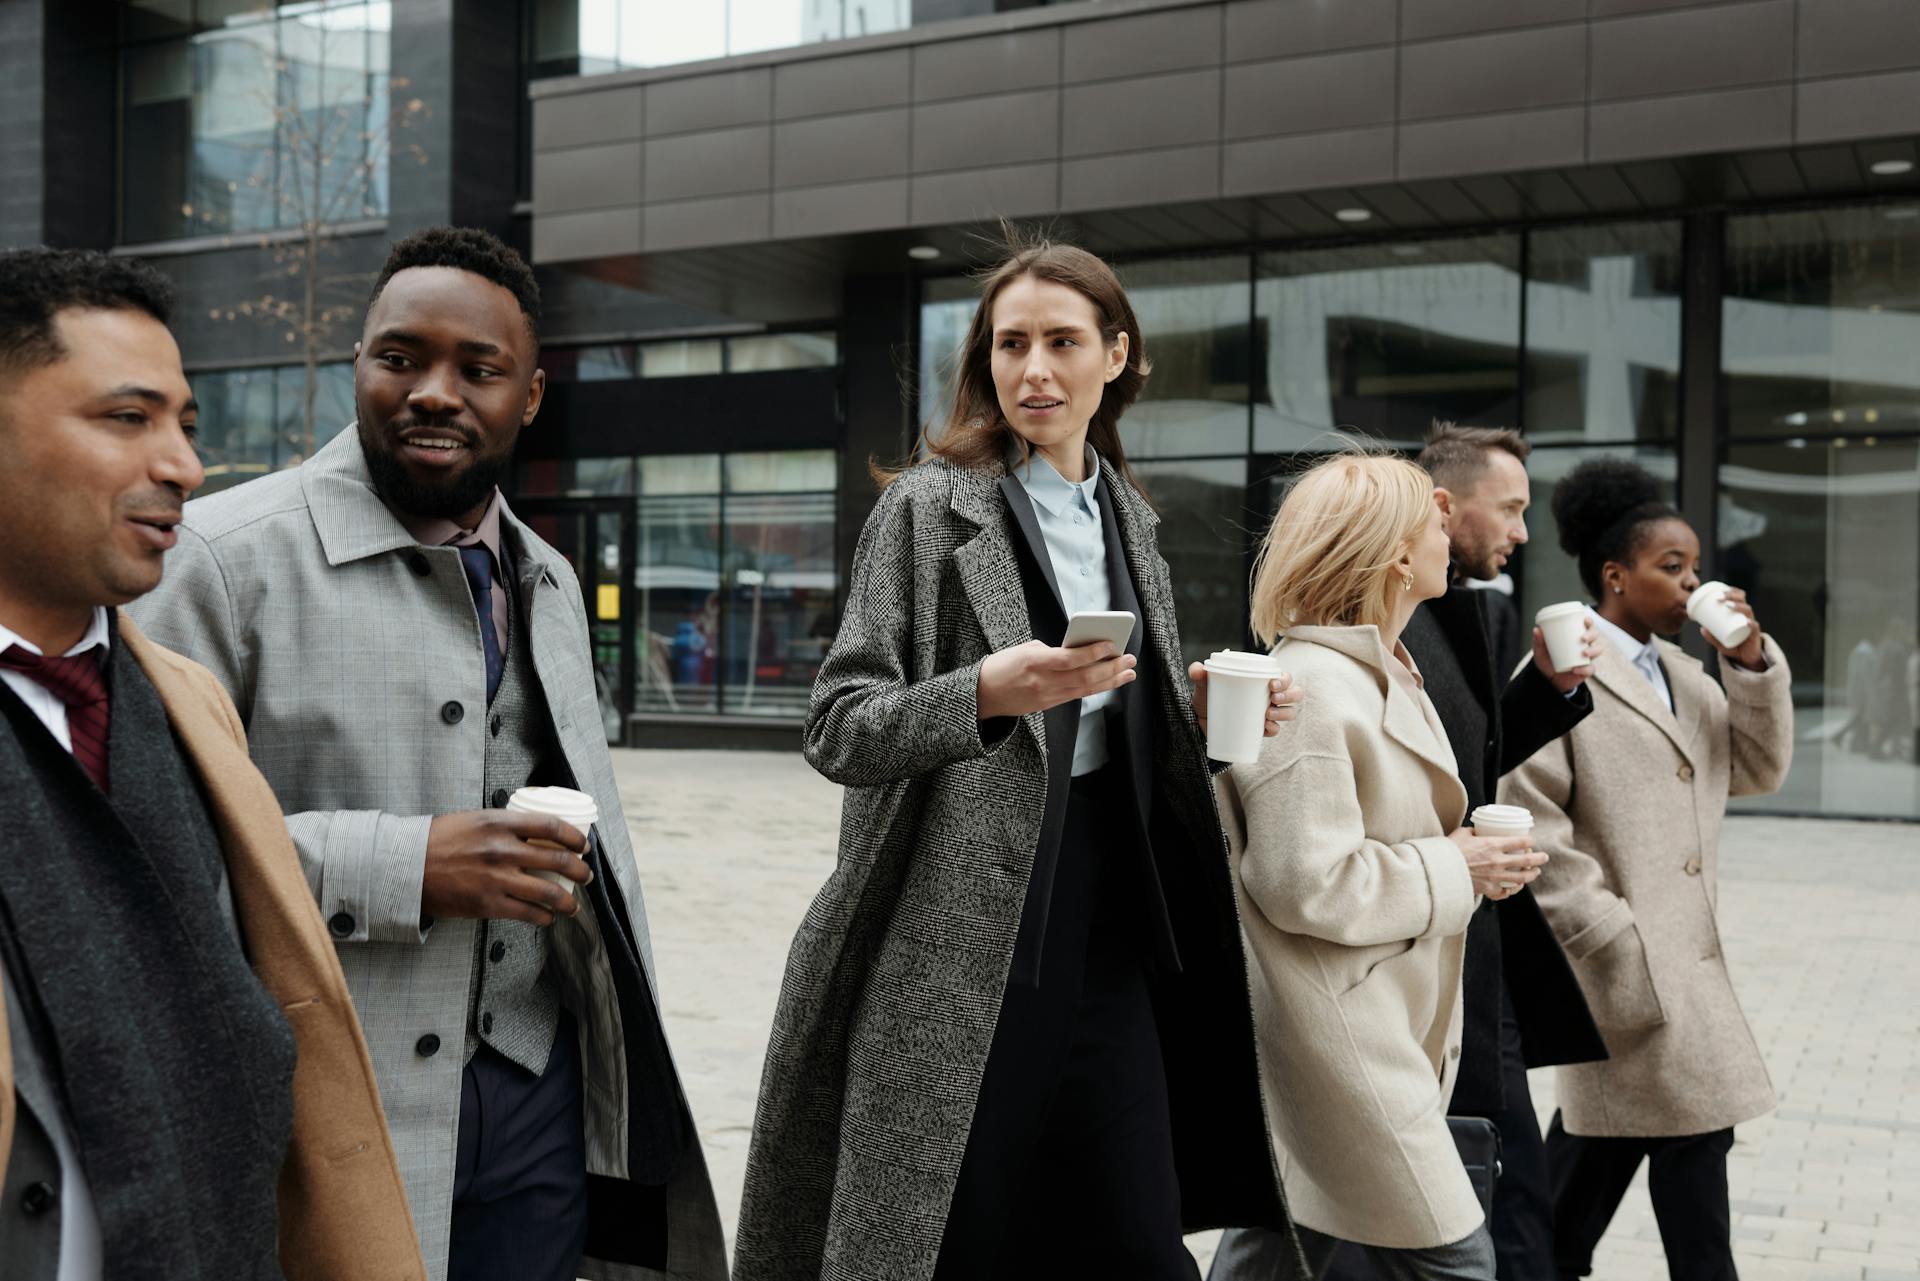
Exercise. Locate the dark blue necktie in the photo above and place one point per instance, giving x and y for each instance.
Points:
(478, 562)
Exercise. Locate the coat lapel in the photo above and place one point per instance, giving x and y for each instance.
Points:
(1685, 677)
(989, 572)
(1626, 683)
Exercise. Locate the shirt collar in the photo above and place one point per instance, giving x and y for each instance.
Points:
(1047, 487)
(438, 531)
(98, 633)
(1630, 649)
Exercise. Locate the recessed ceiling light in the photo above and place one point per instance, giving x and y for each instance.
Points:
(923, 253)
(1902, 213)
(1891, 168)
(1408, 251)
(1355, 214)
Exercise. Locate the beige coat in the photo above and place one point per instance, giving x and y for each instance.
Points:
(1628, 806)
(343, 1210)
(1355, 907)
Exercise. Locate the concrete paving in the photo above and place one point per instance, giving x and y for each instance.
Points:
(1821, 922)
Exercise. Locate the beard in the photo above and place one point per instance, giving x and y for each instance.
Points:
(448, 498)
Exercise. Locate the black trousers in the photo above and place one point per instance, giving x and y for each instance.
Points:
(1686, 1179)
(1072, 1125)
(520, 1178)
(1522, 1220)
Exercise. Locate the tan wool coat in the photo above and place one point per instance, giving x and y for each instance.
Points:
(1628, 808)
(1354, 906)
(343, 1209)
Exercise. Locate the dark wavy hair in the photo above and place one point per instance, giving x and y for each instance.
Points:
(37, 284)
(467, 249)
(975, 433)
(1604, 508)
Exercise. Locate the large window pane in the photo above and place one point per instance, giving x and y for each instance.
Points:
(946, 309)
(1194, 317)
(782, 351)
(234, 116)
(1603, 333)
(158, 126)
(254, 421)
(677, 579)
(587, 37)
(782, 472)
(1203, 535)
(1822, 321)
(1826, 539)
(780, 578)
(1383, 338)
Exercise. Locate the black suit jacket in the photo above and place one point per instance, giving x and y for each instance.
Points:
(1509, 943)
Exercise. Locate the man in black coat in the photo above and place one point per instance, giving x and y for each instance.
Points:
(1522, 1006)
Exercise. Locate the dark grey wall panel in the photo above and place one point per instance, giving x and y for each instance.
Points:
(1284, 28)
(1140, 178)
(586, 178)
(853, 82)
(1302, 162)
(1173, 40)
(1332, 91)
(715, 101)
(1842, 36)
(1491, 144)
(724, 162)
(723, 220)
(975, 195)
(1721, 47)
(22, 161)
(1733, 120)
(1428, 19)
(580, 119)
(1859, 107)
(826, 211)
(870, 144)
(986, 64)
(600, 233)
(1010, 128)
(1154, 111)
(1511, 71)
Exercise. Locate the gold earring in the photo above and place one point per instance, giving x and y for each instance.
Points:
(1406, 584)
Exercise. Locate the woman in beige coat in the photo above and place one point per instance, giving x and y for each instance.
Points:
(1629, 807)
(1356, 881)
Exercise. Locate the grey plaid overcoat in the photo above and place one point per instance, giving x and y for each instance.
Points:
(894, 980)
(304, 596)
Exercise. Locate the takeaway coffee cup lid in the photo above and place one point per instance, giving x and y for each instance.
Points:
(1237, 662)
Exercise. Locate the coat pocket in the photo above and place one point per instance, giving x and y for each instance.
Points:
(1610, 960)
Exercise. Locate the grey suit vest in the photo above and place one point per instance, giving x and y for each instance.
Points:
(516, 1001)
(29, 1217)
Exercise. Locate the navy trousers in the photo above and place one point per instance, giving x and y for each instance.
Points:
(520, 1181)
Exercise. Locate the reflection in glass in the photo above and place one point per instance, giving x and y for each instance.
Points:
(1384, 338)
(946, 309)
(1825, 537)
(1204, 537)
(676, 577)
(588, 37)
(779, 572)
(782, 351)
(254, 421)
(573, 477)
(1194, 317)
(1822, 322)
(680, 357)
(1603, 333)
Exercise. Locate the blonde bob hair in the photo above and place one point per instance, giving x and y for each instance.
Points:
(1328, 557)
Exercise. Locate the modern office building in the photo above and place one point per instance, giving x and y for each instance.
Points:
(1685, 232)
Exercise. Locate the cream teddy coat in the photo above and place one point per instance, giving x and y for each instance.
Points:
(1355, 906)
(1628, 808)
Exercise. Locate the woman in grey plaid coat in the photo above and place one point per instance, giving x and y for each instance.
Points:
(1014, 1034)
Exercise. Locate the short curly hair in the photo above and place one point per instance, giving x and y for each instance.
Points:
(467, 249)
(1603, 507)
(38, 284)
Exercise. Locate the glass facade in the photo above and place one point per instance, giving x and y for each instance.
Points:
(241, 116)
(253, 421)
(1573, 334)
(591, 37)
(685, 357)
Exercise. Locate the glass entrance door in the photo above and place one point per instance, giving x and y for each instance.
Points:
(596, 537)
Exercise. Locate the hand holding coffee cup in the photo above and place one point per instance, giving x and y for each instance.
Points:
(1282, 705)
(1586, 649)
(1728, 622)
(487, 865)
(1497, 848)
(1240, 693)
(576, 809)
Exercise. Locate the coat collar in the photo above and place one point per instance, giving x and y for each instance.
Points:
(1683, 724)
(1401, 720)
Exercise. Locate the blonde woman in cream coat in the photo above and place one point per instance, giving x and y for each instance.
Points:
(1356, 881)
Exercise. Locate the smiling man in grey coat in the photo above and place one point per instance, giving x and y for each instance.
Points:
(406, 654)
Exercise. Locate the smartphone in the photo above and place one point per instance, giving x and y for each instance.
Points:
(1090, 627)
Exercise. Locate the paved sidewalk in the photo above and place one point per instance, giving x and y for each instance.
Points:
(1821, 921)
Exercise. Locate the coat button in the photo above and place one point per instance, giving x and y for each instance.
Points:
(499, 798)
(495, 727)
(37, 1197)
(341, 924)
(451, 712)
(418, 564)
(1453, 1051)
(427, 1046)
(496, 952)
(1686, 773)
(1693, 867)
(486, 1024)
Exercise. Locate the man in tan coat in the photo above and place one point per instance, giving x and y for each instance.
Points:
(184, 1090)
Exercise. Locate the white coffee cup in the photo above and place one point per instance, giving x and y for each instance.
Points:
(1238, 691)
(1708, 607)
(1564, 624)
(563, 803)
(1502, 820)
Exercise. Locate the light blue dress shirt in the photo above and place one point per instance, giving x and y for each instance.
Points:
(1069, 517)
(1645, 658)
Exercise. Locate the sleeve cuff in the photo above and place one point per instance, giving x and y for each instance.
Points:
(1450, 885)
(374, 866)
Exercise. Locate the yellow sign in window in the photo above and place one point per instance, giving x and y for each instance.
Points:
(607, 604)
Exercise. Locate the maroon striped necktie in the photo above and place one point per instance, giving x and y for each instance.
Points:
(77, 682)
